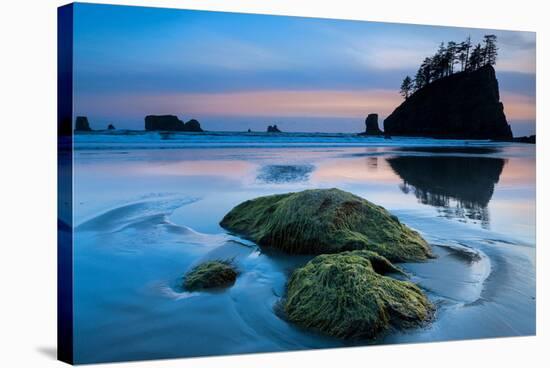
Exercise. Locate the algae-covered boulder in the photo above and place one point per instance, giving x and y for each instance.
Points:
(346, 295)
(209, 275)
(325, 221)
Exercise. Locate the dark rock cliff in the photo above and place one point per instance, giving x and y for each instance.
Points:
(465, 105)
(171, 123)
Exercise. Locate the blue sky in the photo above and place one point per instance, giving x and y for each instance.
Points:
(238, 71)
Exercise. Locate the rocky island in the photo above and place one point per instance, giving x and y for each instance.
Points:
(454, 95)
(465, 105)
(171, 123)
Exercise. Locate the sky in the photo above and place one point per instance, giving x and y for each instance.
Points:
(237, 71)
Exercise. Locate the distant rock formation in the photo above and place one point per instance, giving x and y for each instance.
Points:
(526, 139)
(82, 124)
(273, 129)
(371, 125)
(171, 123)
(464, 105)
(193, 125)
(111, 127)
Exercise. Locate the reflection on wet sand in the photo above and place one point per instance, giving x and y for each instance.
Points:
(278, 174)
(458, 186)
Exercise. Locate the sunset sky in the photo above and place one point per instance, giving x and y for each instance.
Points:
(237, 71)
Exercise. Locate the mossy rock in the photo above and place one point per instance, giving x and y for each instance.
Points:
(346, 295)
(210, 275)
(325, 221)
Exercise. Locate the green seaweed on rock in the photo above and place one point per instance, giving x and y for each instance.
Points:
(325, 221)
(209, 275)
(346, 295)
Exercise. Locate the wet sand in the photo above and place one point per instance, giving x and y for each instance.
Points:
(145, 216)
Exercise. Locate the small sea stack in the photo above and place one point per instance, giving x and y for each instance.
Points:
(371, 125)
(111, 127)
(82, 124)
(273, 129)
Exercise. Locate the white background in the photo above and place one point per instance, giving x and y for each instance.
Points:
(28, 183)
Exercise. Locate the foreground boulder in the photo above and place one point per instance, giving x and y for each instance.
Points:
(346, 295)
(464, 105)
(210, 275)
(171, 123)
(82, 124)
(325, 221)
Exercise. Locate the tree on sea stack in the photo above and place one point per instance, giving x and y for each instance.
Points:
(490, 49)
(406, 87)
(442, 63)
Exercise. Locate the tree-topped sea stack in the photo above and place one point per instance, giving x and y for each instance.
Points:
(442, 103)
(325, 221)
(464, 105)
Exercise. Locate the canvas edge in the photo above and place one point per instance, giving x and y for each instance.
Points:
(65, 320)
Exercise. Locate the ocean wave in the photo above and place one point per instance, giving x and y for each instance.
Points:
(153, 140)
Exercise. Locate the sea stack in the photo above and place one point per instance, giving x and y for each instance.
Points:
(464, 105)
(111, 127)
(273, 129)
(371, 125)
(171, 123)
(82, 124)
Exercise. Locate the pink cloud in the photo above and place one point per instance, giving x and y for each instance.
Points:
(519, 107)
(316, 103)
